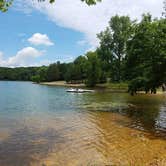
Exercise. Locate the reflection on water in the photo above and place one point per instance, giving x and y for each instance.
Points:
(45, 126)
(146, 112)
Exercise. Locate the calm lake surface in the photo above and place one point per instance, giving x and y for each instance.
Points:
(46, 126)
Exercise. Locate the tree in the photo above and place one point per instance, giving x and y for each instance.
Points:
(105, 51)
(121, 28)
(93, 69)
(5, 4)
(81, 64)
(40, 75)
(18, 73)
(147, 55)
(76, 71)
(53, 72)
(42, 72)
(62, 70)
(112, 48)
(36, 79)
(73, 74)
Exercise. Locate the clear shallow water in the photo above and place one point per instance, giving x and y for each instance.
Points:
(43, 125)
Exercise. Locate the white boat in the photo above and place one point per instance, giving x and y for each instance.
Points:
(72, 90)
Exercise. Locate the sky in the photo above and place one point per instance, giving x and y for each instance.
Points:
(35, 34)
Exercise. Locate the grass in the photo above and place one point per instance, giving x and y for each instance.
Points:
(123, 86)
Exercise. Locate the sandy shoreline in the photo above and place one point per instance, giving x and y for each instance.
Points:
(62, 83)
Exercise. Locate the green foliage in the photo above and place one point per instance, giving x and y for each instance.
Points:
(93, 69)
(138, 84)
(5, 4)
(36, 78)
(19, 73)
(40, 75)
(146, 56)
(76, 72)
(135, 52)
(105, 53)
(91, 2)
(53, 73)
(114, 87)
(81, 64)
(72, 74)
(112, 48)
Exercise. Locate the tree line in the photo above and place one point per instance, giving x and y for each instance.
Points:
(129, 51)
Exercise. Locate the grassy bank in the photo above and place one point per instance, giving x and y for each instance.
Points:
(119, 87)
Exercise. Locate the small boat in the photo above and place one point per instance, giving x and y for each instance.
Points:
(72, 90)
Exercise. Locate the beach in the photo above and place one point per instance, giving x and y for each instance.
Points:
(62, 83)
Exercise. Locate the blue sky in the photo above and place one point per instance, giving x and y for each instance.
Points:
(16, 27)
(37, 34)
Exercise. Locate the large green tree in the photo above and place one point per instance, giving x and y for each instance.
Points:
(53, 73)
(42, 74)
(112, 48)
(93, 69)
(76, 71)
(146, 58)
(73, 73)
(105, 53)
(81, 67)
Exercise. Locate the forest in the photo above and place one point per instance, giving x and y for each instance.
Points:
(129, 51)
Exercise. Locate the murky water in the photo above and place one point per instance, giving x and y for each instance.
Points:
(46, 126)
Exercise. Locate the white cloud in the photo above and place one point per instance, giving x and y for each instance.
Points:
(91, 20)
(81, 42)
(40, 39)
(24, 57)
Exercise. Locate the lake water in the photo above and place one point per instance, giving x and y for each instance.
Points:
(46, 126)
